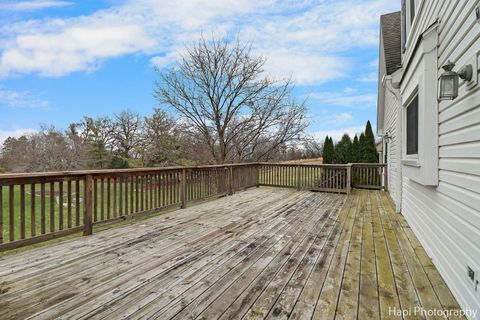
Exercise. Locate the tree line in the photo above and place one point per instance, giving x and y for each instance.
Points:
(124, 140)
(361, 150)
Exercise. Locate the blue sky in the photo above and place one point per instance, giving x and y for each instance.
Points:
(61, 60)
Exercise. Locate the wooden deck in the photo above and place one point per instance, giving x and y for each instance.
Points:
(262, 253)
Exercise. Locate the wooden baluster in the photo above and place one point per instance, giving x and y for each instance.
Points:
(143, 190)
(184, 188)
(120, 196)
(115, 181)
(230, 181)
(22, 211)
(150, 187)
(1, 214)
(131, 182)
(77, 203)
(102, 199)
(11, 212)
(137, 194)
(162, 189)
(60, 205)
(349, 178)
(176, 181)
(109, 194)
(159, 190)
(95, 200)
(153, 187)
(171, 184)
(87, 216)
(278, 176)
(33, 226)
(299, 176)
(52, 206)
(42, 208)
(69, 204)
(199, 184)
(125, 209)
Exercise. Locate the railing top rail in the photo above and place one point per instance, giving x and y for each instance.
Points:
(113, 172)
(305, 165)
(57, 174)
(376, 165)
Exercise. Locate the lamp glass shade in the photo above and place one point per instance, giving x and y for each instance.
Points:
(448, 85)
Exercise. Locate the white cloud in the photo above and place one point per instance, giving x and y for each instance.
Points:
(301, 39)
(340, 118)
(345, 99)
(371, 77)
(338, 133)
(304, 68)
(33, 5)
(21, 99)
(15, 133)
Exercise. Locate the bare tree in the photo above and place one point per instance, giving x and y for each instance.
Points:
(127, 138)
(51, 149)
(100, 130)
(219, 90)
(14, 155)
(312, 148)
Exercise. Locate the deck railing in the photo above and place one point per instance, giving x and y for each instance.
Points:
(37, 207)
(322, 177)
(369, 176)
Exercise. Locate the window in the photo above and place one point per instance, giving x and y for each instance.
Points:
(404, 24)
(412, 10)
(412, 127)
(408, 14)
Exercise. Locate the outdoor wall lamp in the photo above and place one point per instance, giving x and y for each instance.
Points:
(449, 80)
(387, 137)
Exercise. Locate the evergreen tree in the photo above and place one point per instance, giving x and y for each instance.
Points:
(361, 148)
(370, 147)
(343, 150)
(328, 150)
(355, 150)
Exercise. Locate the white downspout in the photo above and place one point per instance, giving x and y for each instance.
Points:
(394, 88)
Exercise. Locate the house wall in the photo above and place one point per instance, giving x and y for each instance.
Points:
(446, 217)
(393, 146)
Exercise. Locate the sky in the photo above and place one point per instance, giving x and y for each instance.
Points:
(62, 60)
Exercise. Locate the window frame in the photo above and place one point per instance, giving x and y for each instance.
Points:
(423, 81)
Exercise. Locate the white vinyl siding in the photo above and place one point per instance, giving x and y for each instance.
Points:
(446, 218)
(394, 151)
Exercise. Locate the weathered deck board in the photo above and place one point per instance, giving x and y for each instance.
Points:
(263, 253)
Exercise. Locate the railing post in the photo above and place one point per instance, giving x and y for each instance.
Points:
(349, 178)
(299, 178)
(183, 188)
(230, 180)
(258, 171)
(88, 204)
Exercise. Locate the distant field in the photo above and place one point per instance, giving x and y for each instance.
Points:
(306, 161)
